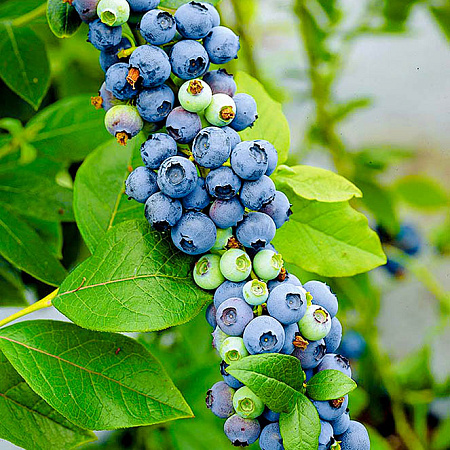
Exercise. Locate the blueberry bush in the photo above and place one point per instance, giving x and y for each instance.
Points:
(146, 176)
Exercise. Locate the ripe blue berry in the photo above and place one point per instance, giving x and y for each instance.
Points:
(272, 155)
(149, 66)
(195, 95)
(157, 148)
(183, 125)
(189, 59)
(155, 104)
(356, 437)
(199, 198)
(322, 296)
(233, 136)
(333, 338)
(162, 212)
(218, 337)
(331, 409)
(221, 111)
(408, 239)
(315, 324)
(255, 292)
(222, 45)
(246, 113)
(256, 194)
(290, 332)
(290, 278)
(223, 183)
(341, 424)
(226, 213)
(214, 14)
(326, 435)
(226, 290)
(270, 438)
(256, 230)
(105, 99)
(157, 27)
(249, 160)
(309, 373)
(194, 20)
(141, 184)
(113, 12)
(210, 315)
(211, 148)
(233, 349)
(247, 404)
(242, 432)
(195, 233)
(221, 82)
(312, 355)
(264, 334)
(229, 379)
(353, 345)
(335, 362)
(235, 265)
(267, 264)
(103, 37)
(116, 81)
(233, 315)
(86, 9)
(143, 5)
(271, 416)
(279, 209)
(123, 122)
(287, 303)
(109, 57)
(207, 273)
(219, 399)
(177, 177)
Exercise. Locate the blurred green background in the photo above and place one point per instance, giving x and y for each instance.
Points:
(365, 87)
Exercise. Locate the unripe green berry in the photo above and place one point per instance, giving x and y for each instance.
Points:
(255, 292)
(207, 272)
(221, 111)
(113, 12)
(223, 236)
(233, 349)
(315, 324)
(267, 264)
(247, 404)
(235, 265)
(195, 95)
(123, 122)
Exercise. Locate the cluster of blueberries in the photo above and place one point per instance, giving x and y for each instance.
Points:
(260, 308)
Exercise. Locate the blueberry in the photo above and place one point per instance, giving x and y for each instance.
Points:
(249, 160)
(195, 95)
(242, 432)
(235, 265)
(271, 416)
(256, 230)
(290, 278)
(221, 111)
(194, 20)
(157, 27)
(199, 198)
(219, 337)
(123, 122)
(335, 362)
(223, 183)
(189, 59)
(226, 213)
(221, 82)
(219, 399)
(157, 148)
(247, 404)
(207, 273)
(162, 212)
(256, 194)
(309, 373)
(270, 438)
(222, 45)
(264, 334)
(326, 435)
(255, 292)
(312, 355)
(109, 57)
(113, 12)
(105, 99)
(267, 264)
(315, 324)
(341, 424)
(287, 303)
(155, 104)
(333, 338)
(143, 5)
(356, 437)
(233, 136)
(322, 296)
(331, 409)
(353, 345)
(272, 155)
(233, 315)
(279, 209)
(211, 148)
(177, 177)
(141, 184)
(226, 290)
(233, 349)
(408, 239)
(210, 314)
(86, 9)
(195, 233)
(116, 81)
(229, 379)
(183, 125)
(290, 332)
(394, 268)
(214, 14)
(149, 66)
(223, 238)
(103, 37)
(246, 113)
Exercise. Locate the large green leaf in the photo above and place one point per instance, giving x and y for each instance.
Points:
(135, 281)
(330, 239)
(314, 183)
(272, 124)
(62, 18)
(69, 129)
(96, 380)
(28, 421)
(99, 206)
(50, 232)
(275, 378)
(329, 385)
(12, 9)
(11, 285)
(24, 66)
(300, 428)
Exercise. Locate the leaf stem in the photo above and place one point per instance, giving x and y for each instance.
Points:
(41, 304)
(30, 16)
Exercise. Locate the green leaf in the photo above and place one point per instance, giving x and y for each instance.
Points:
(12, 9)
(24, 66)
(314, 183)
(330, 239)
(50, 232)
(100, 206)
(96, 380)
(69, 129)
(62, 18)
(421, 192)
(135, 281)
(11, 285)
(441, 436)
(359, 399)
(380, 158)
(28, 421)
(272, 124)
(22, 247)
(329, 385)
(300, 428)
(378, 442)
(276, 379)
